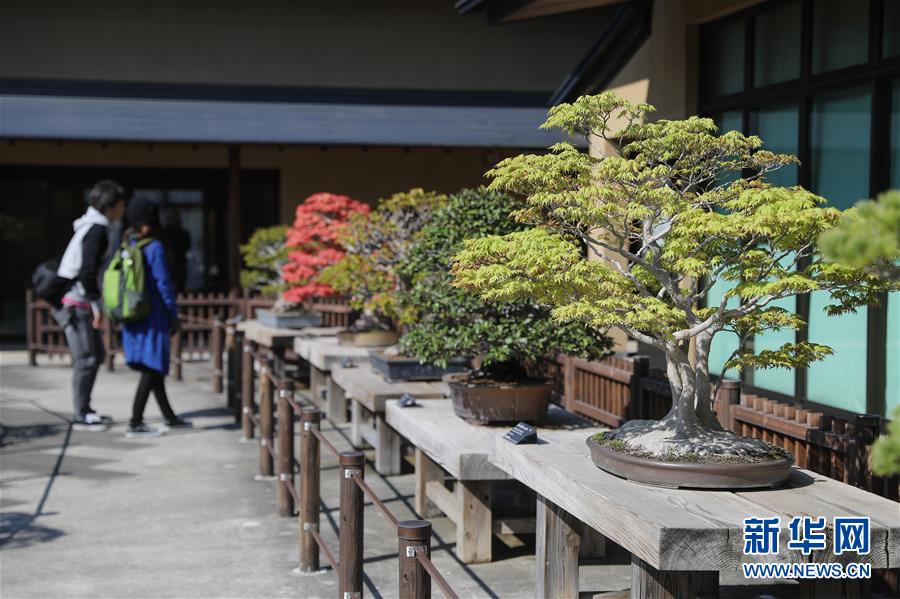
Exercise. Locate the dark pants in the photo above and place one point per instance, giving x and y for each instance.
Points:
(151, 380)
(86, 346)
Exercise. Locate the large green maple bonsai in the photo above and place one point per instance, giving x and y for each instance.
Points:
(675, 209)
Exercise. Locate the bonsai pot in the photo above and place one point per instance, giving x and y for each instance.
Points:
(697, 475)
(288, 320)
(496, 403)
(402, 368)
(373, 338)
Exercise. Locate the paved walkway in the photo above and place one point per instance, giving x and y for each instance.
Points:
(100, 515)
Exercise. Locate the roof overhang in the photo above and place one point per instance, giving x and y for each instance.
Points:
(199, 121)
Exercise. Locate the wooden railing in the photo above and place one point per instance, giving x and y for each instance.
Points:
(198, 311)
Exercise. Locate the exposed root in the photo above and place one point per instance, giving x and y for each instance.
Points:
(665, 441)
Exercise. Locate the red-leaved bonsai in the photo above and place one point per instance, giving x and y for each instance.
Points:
(313, 244)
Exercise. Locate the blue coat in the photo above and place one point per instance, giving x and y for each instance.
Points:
(146, 342)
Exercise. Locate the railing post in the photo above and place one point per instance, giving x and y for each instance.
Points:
(283, 494)
(351, 533)
(309, 488)
(266, 436)
(729, 395)
(236, 342)
(175, 358)
(215, 348)
(247, 390)
(29, 328)
(414, 536)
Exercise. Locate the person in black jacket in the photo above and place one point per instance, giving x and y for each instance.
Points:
(81, 311)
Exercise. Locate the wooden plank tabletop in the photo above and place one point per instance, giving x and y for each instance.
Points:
(678, 529)
(275, 338)
(461, 448)
(363, 384)
(325, 352)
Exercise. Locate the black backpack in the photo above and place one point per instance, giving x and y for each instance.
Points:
(48, 285)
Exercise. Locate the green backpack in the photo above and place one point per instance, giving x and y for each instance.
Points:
(125, 296)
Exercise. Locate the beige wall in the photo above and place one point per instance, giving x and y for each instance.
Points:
(402, 44)
(364, 173)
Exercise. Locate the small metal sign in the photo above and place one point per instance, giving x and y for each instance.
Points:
(347, 362)
(522, 434)
(407, 400)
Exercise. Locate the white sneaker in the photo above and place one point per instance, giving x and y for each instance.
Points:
(90, 422)
(144, 430)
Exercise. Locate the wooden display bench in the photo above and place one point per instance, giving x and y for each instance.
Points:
(323, 353)
(368, 392)
(451, 450)
(679, 539)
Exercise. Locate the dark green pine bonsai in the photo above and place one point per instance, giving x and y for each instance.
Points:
(265, 254)
(444, 322)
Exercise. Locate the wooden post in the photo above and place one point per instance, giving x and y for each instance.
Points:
(649, 583)
(558, 539)
(729, 395)
(640, 369)
(215, 347)
(30, 341)
(473, 531)
(247, 390)
(235, 367)
(175, 357)
(335, 401)
(414, 536)
(351, 533)
(266, 430)
(283, 494)
(426, 472)
(309, 488)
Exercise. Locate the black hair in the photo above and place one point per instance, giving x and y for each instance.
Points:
(106, 194)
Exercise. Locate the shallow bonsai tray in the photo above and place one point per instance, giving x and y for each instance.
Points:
(377, 338)
(496, 404)
(696, 475)
(289, 320)
(402, 368)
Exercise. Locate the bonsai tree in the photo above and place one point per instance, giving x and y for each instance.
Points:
(676, 209)
(446, 322)
(312, 243)
(868, 237)
(265, 255)
(376, 242)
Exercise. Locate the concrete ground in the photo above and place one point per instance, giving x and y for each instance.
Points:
(99, 515)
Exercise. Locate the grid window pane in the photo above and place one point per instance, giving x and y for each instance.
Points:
(840, 34)
(723, 57)
(840, 173)
(890, 33)
(777, 45)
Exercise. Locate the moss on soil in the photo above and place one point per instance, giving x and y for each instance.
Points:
(621, 446)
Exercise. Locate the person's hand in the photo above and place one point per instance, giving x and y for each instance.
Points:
(98, 319)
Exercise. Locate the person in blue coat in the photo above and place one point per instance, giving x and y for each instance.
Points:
(146, 342)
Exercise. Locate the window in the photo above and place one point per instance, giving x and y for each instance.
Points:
(815, 80)
(777, 44)
(840, 34)
(723, 53)
(778, 126)
(839, 141)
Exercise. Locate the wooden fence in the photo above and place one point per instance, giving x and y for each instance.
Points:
(198, 311)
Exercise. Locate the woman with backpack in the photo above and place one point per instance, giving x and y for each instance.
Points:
(146, 341)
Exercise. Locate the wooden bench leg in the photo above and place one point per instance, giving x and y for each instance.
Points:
(387, 452)
(316, 383)
(593, 544)
(649, 583)
(426, 471)
(557, 540)
(336, 402)
(356, 424)
(473, 531)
